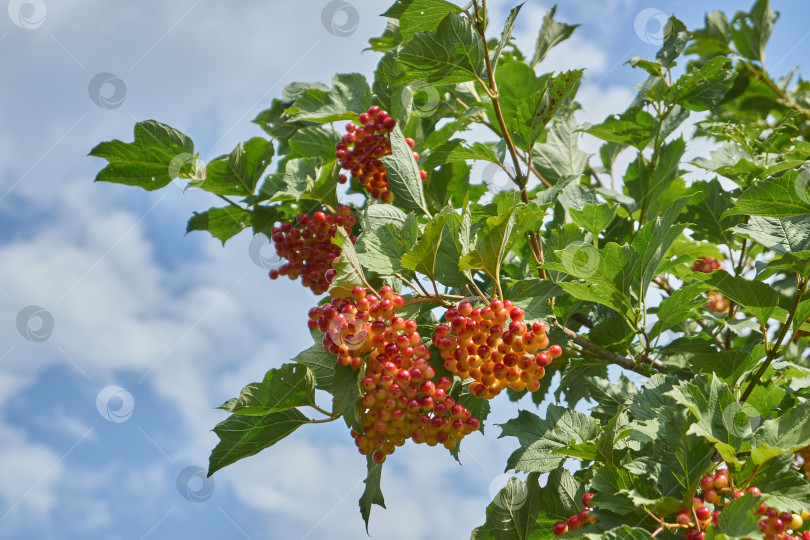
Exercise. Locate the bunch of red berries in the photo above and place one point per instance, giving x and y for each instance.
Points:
(706, 265)
(360, 149)
(578, 520)
(717, 302)
(400, 399)
(718, 493)
(495, 347)
(308, 247)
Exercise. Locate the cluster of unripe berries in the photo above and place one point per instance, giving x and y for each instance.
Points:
(400, 400)
(307, 246)
(717, 302)
(707, 265)
(717, 492)
(494, 346)
(578, 520)
(360, 149)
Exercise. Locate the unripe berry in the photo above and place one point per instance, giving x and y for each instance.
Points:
(720, 482)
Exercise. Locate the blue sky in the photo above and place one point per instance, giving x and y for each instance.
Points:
(165, 326)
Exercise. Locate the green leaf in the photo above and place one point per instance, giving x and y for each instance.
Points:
(653, 241)
(560, 156)
(779, 197)
(562, 496)
(703, 213)
(537, 109)
(372, 494)
(243, 436)
(349, 270)
(798, 262)
(146, 161)
(437, 253)
(538, 437)
(512, 514)
(506, 35)
(608, 272)
(419, 15)
(783, 485)
(729, 366)
(721, 419)
(491, 245)
(222, 222)
(321, 363)
(594, 218)
(685, 303)
(453, 53)
(380, 250)
(677, 36)
(750, 31)
(241, 170)
(348, 97)
(377, 215)
(760, 299)
(737, 520)
(646, 186)
(314, 141)
(346, 396)
(635, 127)
(785, 235)
(290, 386)
(782, 435)
(705, 87)
(458, 150)
(303, 178)
(531, 295)
(403, 174)
(652, 67)
(552, 33)
(452, 183)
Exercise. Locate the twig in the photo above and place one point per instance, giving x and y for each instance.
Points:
(774, 351)
(605, 354)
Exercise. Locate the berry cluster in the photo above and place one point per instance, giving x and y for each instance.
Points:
(717, 302)
(578, 520)
(309, 249)
(360, 149)
(400, 399)
(495, 347)
(707, 265)
(718, 492)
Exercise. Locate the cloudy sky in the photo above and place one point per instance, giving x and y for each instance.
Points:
(107, 384)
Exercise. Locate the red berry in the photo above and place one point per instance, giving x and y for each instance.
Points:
(555, 351)
(560, 528)
(703, 513)
(587, 497)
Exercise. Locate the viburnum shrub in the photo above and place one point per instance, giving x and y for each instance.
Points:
(438, 289)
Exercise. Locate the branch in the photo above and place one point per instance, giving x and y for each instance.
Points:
(604, 354)
(774, 351)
